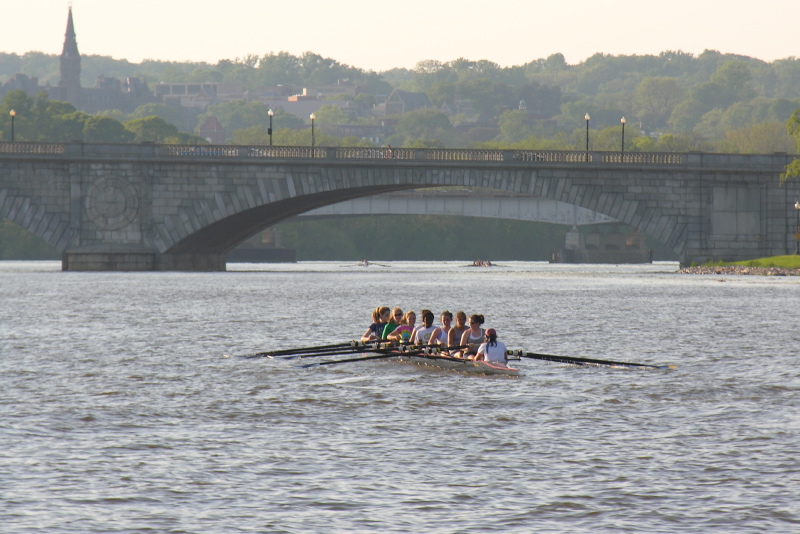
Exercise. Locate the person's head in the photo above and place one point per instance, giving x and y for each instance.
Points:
(475, 321)
(446, 318)
(461, 319)
(381, 314)
(427, 319)
(410, 319)
(397, 315)
(491, 336)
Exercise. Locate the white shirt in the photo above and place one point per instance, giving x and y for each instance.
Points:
(423, 335)
(493, 353)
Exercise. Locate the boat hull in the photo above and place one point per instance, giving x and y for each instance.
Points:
(461, 366)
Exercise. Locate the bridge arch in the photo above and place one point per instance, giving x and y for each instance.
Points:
(466, 203)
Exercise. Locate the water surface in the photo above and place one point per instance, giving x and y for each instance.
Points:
(119, 413)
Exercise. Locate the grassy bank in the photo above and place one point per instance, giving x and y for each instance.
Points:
(785, 262)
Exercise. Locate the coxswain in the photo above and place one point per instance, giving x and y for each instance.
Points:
(492, 351)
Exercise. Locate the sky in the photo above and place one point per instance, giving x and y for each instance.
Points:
(381, 35)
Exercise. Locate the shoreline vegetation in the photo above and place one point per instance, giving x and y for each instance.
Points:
(773, 266)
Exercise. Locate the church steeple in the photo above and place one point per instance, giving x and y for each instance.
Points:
(70, 64)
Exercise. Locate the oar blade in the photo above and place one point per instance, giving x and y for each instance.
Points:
(588, 361)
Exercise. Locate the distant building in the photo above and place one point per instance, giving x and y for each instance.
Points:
(108, 93)
(199, 95)
(212, 131)
(399, 102)
(21, 82)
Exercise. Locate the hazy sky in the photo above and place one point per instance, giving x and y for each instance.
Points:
(379, 35)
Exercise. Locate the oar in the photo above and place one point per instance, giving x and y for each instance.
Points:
(425, 352)
(348, 360)
(306, 350)
(585, 361)
(370, 348)
(432, 352)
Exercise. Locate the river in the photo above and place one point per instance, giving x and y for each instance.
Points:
(120, 413)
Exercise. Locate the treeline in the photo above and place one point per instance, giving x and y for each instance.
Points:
(673, 101)
(19, 244)
(432, 238)
(40, 119)
(387, 238)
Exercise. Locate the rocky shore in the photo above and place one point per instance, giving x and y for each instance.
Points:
(742, 270)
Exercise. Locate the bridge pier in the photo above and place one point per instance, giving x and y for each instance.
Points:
(207, 262)
(108, 258)
(121, 258)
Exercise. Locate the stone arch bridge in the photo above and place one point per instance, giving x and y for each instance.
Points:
(172, 207)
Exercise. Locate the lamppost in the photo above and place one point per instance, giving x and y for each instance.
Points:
(622, 120)
(13, 114)
(270, 113)
(797, 229)
(587, 136)
(312, 129)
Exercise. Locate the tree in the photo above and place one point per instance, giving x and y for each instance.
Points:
(730, 83)
(540, 98)
(430, 72)
(514, 126)
(253, 136)
(331, 114)
(280, 69)
(760, 138)
(151, 129)
(22, 104)
(655, 99)
(686, 115)
(238, 114)
(168, 113)
(442, 93)
(422, 124)
(106, 130)
(285, 121)
(68, 127)
(708, 126)
(487, 97)
(793, 129)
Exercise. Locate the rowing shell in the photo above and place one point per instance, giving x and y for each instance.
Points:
(462, 366)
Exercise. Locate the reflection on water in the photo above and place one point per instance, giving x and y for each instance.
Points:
(119, 413)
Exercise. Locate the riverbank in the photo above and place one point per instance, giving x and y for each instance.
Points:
(741, 270)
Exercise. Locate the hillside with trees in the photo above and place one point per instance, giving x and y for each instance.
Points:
(672, 102)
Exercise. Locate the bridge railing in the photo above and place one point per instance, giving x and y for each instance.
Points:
(152, 150)
(648, 158)
(32, 148)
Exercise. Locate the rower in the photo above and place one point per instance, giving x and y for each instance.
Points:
(492, 351)
(404, 332)
(395, 320)
(441, 335)
(380, 316)
(473, 337)
(458, 329)
(422, 336)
